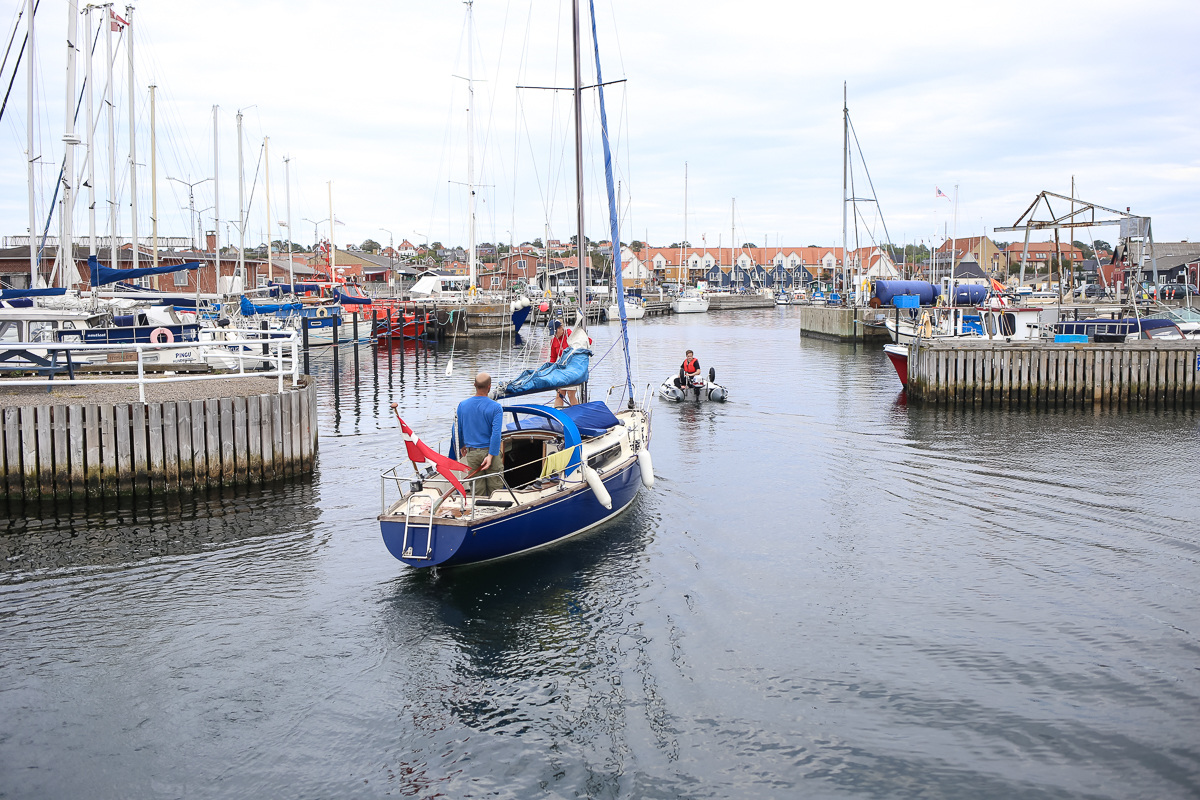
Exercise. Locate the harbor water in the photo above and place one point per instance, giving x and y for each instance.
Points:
(827, 593)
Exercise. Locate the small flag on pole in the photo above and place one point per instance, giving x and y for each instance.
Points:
(420, 453)
(116, 22)
(940, 193)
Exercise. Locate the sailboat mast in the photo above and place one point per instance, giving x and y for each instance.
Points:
(154, 181)
(90, 132)
(112, 141)
(845, 187)
(267, 184)
(66, 249)
(132, 137)
(287, 183)
(581, 239)
(216, 208)
(683, 256)
(241, 270)
(332, 246)
(471, 140)
(30, 62)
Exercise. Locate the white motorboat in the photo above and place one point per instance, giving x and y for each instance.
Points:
(635, 308)
(942, 323)
(691, 301)
(697, 388)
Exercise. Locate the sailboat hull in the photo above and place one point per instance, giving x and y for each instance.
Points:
(528, 528)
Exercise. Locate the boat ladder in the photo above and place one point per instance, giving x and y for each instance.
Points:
(412, 529)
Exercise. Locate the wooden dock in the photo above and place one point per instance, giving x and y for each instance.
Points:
(1141, 375)
(120, 449)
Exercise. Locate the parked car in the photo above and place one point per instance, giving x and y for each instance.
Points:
(1091, 290)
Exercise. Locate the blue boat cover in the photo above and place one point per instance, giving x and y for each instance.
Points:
(592, 419)
(544, 417)
(249, 309)
(969, 294)
(571, 369)
(352, 299)
(10, 294)
(519, 316)
(101, 274)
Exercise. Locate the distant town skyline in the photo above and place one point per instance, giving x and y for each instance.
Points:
(750, 98)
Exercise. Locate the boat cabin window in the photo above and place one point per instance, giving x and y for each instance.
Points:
(41, 331)
(10, 331)
(1008, 324)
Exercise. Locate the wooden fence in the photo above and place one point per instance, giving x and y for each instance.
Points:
(1137, 375)
(104, 450)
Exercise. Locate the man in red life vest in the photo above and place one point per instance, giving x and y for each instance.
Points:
(558, 346)
(689, 369)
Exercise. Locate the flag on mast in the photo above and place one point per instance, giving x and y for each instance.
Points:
(116, 22)
(940, 193)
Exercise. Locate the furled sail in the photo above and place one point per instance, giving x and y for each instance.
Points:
(571, 369)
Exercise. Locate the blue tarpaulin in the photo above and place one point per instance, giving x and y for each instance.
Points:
(571, 369)
(11, 294)
(250, 309)
(519, 316)
(101, 274)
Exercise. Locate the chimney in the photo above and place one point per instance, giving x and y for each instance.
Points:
(210, 241)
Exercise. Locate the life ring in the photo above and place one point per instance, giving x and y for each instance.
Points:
(154, 336)
(322, 311)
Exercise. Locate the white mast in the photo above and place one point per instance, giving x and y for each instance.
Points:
(582, 240)
(287, 172)
(732, 235)
(90, 130)
(66, 242)
(30, 61)
(154, 182)
(267, 183)
(687, 272)
(216, 208)
(112, 141)
(845, 186)
(133, 137)
(241, 270)
(332, 246)
(470, 139)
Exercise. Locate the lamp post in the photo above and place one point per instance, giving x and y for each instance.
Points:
(191, 205)
(391, 256)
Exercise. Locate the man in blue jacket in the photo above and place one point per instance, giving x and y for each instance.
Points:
(480, 420)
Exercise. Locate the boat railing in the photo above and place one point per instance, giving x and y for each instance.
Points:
(276, 349)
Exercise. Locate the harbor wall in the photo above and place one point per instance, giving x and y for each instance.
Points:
(733, 302)
(842, 324)
(120, 449)
(1141, 375)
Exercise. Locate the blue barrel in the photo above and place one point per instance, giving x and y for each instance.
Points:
(925, 291)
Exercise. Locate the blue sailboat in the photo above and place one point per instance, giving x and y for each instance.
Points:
(565, 470)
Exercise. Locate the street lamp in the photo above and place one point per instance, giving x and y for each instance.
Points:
(191, 205)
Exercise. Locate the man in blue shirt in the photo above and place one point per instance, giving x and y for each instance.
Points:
(479, 424)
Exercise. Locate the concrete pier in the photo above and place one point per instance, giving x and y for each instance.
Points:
(843, 324)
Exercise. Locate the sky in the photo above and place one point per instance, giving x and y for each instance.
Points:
(368, 101)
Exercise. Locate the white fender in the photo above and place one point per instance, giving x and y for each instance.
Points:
(647, 468)
(525, 302)
(513, 306)
(593, 479)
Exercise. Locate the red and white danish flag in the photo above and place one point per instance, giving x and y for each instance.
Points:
(420, 453)
(117, 24)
